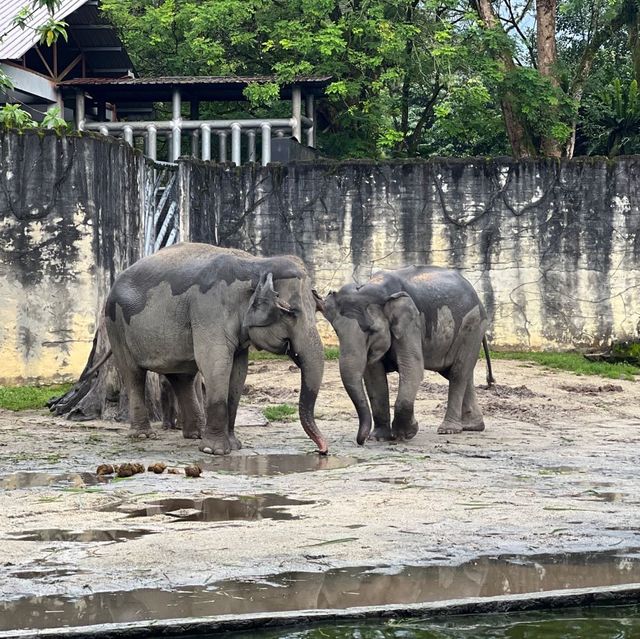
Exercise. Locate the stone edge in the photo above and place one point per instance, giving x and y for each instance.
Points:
(556, 599)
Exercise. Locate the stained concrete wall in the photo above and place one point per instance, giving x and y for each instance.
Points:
(552, 248)
(69, 221)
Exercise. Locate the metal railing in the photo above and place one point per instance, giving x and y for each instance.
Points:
(201, 133)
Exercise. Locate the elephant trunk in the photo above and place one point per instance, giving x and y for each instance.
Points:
(308, 355)
(352, 381)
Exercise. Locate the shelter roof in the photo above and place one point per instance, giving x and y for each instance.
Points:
(89, 31)
(206, 88)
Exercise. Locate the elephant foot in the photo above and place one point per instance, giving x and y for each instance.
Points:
(405, 432)
(192, 431)
(382, 433)
(169, 426)
(142, 433)
(449, 427)
(234, 442)
(473, 424)
(215, 445)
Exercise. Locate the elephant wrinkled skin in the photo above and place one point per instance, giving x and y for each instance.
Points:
(197, 308)
(409, 320)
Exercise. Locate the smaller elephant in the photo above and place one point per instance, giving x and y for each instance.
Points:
(409, 320)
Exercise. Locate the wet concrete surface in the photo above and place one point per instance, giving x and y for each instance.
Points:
(555, 472)
(331, 589)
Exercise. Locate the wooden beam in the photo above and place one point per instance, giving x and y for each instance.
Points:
(69, 68)
(46, 64)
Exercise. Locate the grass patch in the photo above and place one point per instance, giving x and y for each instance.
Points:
(26, 397)
(280, 412)
(330, 352)
(572, 362)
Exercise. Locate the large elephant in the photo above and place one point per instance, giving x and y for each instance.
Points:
(408, 320)
(194, 307)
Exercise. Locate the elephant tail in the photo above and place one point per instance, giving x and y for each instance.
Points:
(94, 368)
(490, 378)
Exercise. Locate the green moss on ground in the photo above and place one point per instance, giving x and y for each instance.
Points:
(26, 397)
(575, 363)
(280, 412)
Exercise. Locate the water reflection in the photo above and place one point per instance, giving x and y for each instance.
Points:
(262, 465)
(83, 536)
(335, 589)
(25, 479)
(249, 507)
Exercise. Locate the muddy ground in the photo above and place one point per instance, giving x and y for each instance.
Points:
(555, 471)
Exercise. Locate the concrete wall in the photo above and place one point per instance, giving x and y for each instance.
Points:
(68, 223)
(552, 248)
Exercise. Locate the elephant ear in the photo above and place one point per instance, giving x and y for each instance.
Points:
(401, 313)
(265, 306)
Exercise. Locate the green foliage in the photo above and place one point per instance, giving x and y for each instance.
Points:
(53, 120)
(13, 116)
(573, 362)
(619, 119)
(408, 78)
(280, 413)
(29, 397)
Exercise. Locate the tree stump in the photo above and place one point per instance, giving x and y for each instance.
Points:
(102, 395)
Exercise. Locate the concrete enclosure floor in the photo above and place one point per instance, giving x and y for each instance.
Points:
(555, 471)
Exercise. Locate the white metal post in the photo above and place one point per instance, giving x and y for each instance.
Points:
(236, 132)
(251, 140)
(176, 131)
(296, 106)
(222, 140)
(266, 143)
(128, 134)
(206, 141)
(152, 142)
(80, 112)
(311, 114)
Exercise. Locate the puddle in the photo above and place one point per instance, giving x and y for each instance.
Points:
(84, 536)
(249, 507)
(26, 479)
(45, 573)
(334, 589)
(261, 465)
(390, 480)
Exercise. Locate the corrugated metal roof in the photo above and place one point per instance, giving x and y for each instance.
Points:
(15, 42)
(183, 79)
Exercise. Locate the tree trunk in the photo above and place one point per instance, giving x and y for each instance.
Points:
(519, 138)
(547, 60)
(101, 394)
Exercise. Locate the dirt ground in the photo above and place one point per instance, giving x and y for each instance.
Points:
(556, 470)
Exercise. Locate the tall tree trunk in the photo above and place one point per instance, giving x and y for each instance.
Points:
(519, 138)
(547, 60)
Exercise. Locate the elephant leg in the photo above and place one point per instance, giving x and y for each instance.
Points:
(471, 414)
(411, 372)
(135, 380)
(375, 380)
(168, 403)
(215, 363)
(191, 413)
(236, 386)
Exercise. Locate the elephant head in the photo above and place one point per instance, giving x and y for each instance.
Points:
(368, 320)
(281, 319)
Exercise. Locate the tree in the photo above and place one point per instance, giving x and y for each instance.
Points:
(493, 75)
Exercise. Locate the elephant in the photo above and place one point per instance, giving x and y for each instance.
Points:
(409, 320)
(193, 308)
